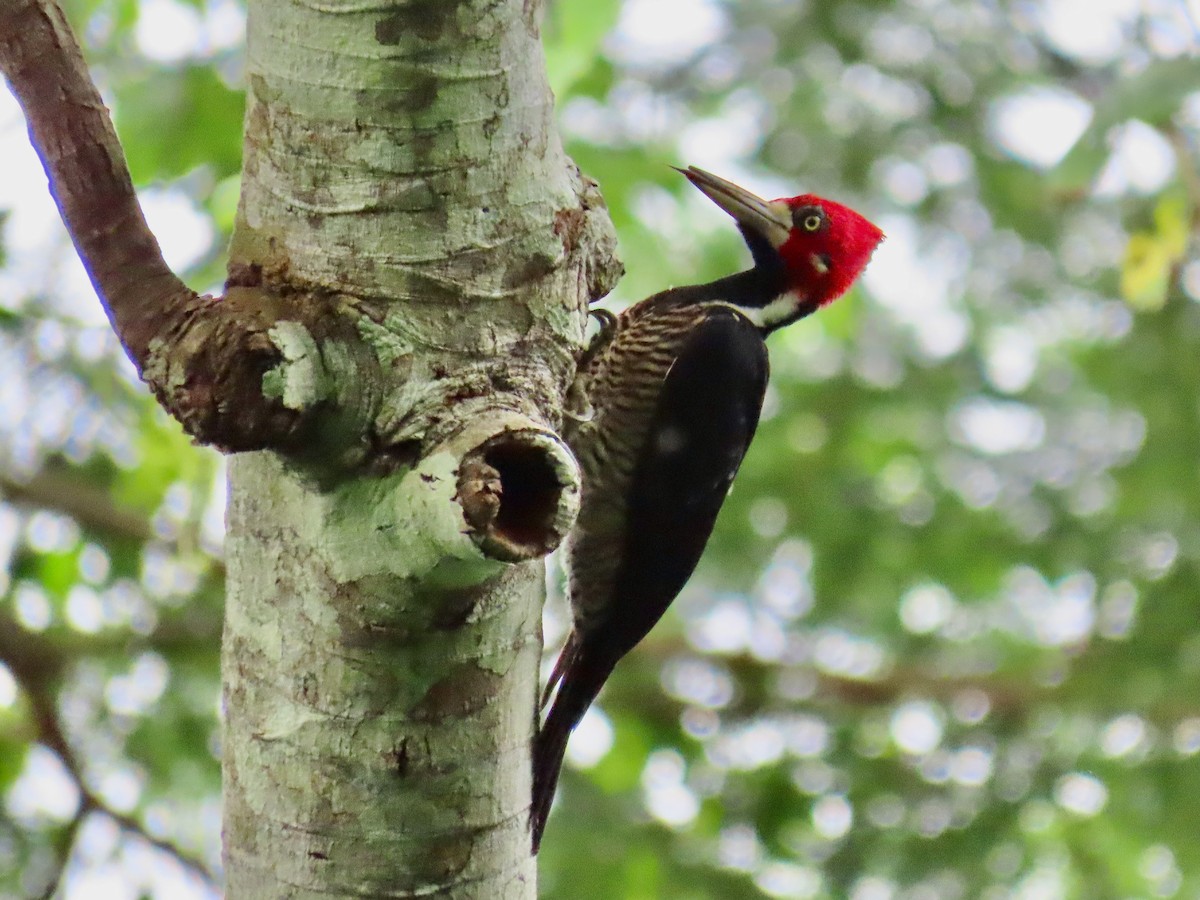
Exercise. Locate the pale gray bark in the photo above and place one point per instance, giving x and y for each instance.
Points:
(381, 647)
(409, 281)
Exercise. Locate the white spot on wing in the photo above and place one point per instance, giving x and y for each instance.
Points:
(670, 440)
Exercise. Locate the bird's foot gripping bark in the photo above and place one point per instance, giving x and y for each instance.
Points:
(577, 406)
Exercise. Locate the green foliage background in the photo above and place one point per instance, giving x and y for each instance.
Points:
(945, 641)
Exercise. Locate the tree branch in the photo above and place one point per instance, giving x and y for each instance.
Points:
(204, 358)
(36, 665)
(1009, 695)
(64, 846)
(90, 506)
(70, 128)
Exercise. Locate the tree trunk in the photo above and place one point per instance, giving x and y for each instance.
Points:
(409, 280)
(380, 666)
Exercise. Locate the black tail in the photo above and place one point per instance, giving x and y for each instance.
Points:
(580, 682)
(566, 659)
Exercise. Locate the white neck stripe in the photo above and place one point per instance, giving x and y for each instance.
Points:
(767, 316)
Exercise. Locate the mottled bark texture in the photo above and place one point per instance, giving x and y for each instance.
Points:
(380, 660)
(409, 280)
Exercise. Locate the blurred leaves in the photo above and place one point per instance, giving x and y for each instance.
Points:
(1152, 257)
(1154, 96)
(573, 35)
(952, 594)
(1002, 527)
(171, 121)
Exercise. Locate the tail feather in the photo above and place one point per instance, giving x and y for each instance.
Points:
(579, 683)
(566, 658)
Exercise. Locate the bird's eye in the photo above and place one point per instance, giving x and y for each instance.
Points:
(810, 218)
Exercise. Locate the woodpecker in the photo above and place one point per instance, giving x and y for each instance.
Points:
(672, 390)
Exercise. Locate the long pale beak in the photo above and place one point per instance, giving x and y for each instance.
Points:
(772, 220)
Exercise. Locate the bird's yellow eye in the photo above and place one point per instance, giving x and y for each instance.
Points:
(810, 218)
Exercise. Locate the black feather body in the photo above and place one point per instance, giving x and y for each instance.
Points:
(675, 385)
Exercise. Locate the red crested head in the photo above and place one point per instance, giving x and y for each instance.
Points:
(827, 247)
(820, 246)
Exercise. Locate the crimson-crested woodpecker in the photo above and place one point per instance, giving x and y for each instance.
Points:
(673, 389)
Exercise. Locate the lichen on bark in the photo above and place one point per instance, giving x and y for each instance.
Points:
(408, 284)
(382, 638)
